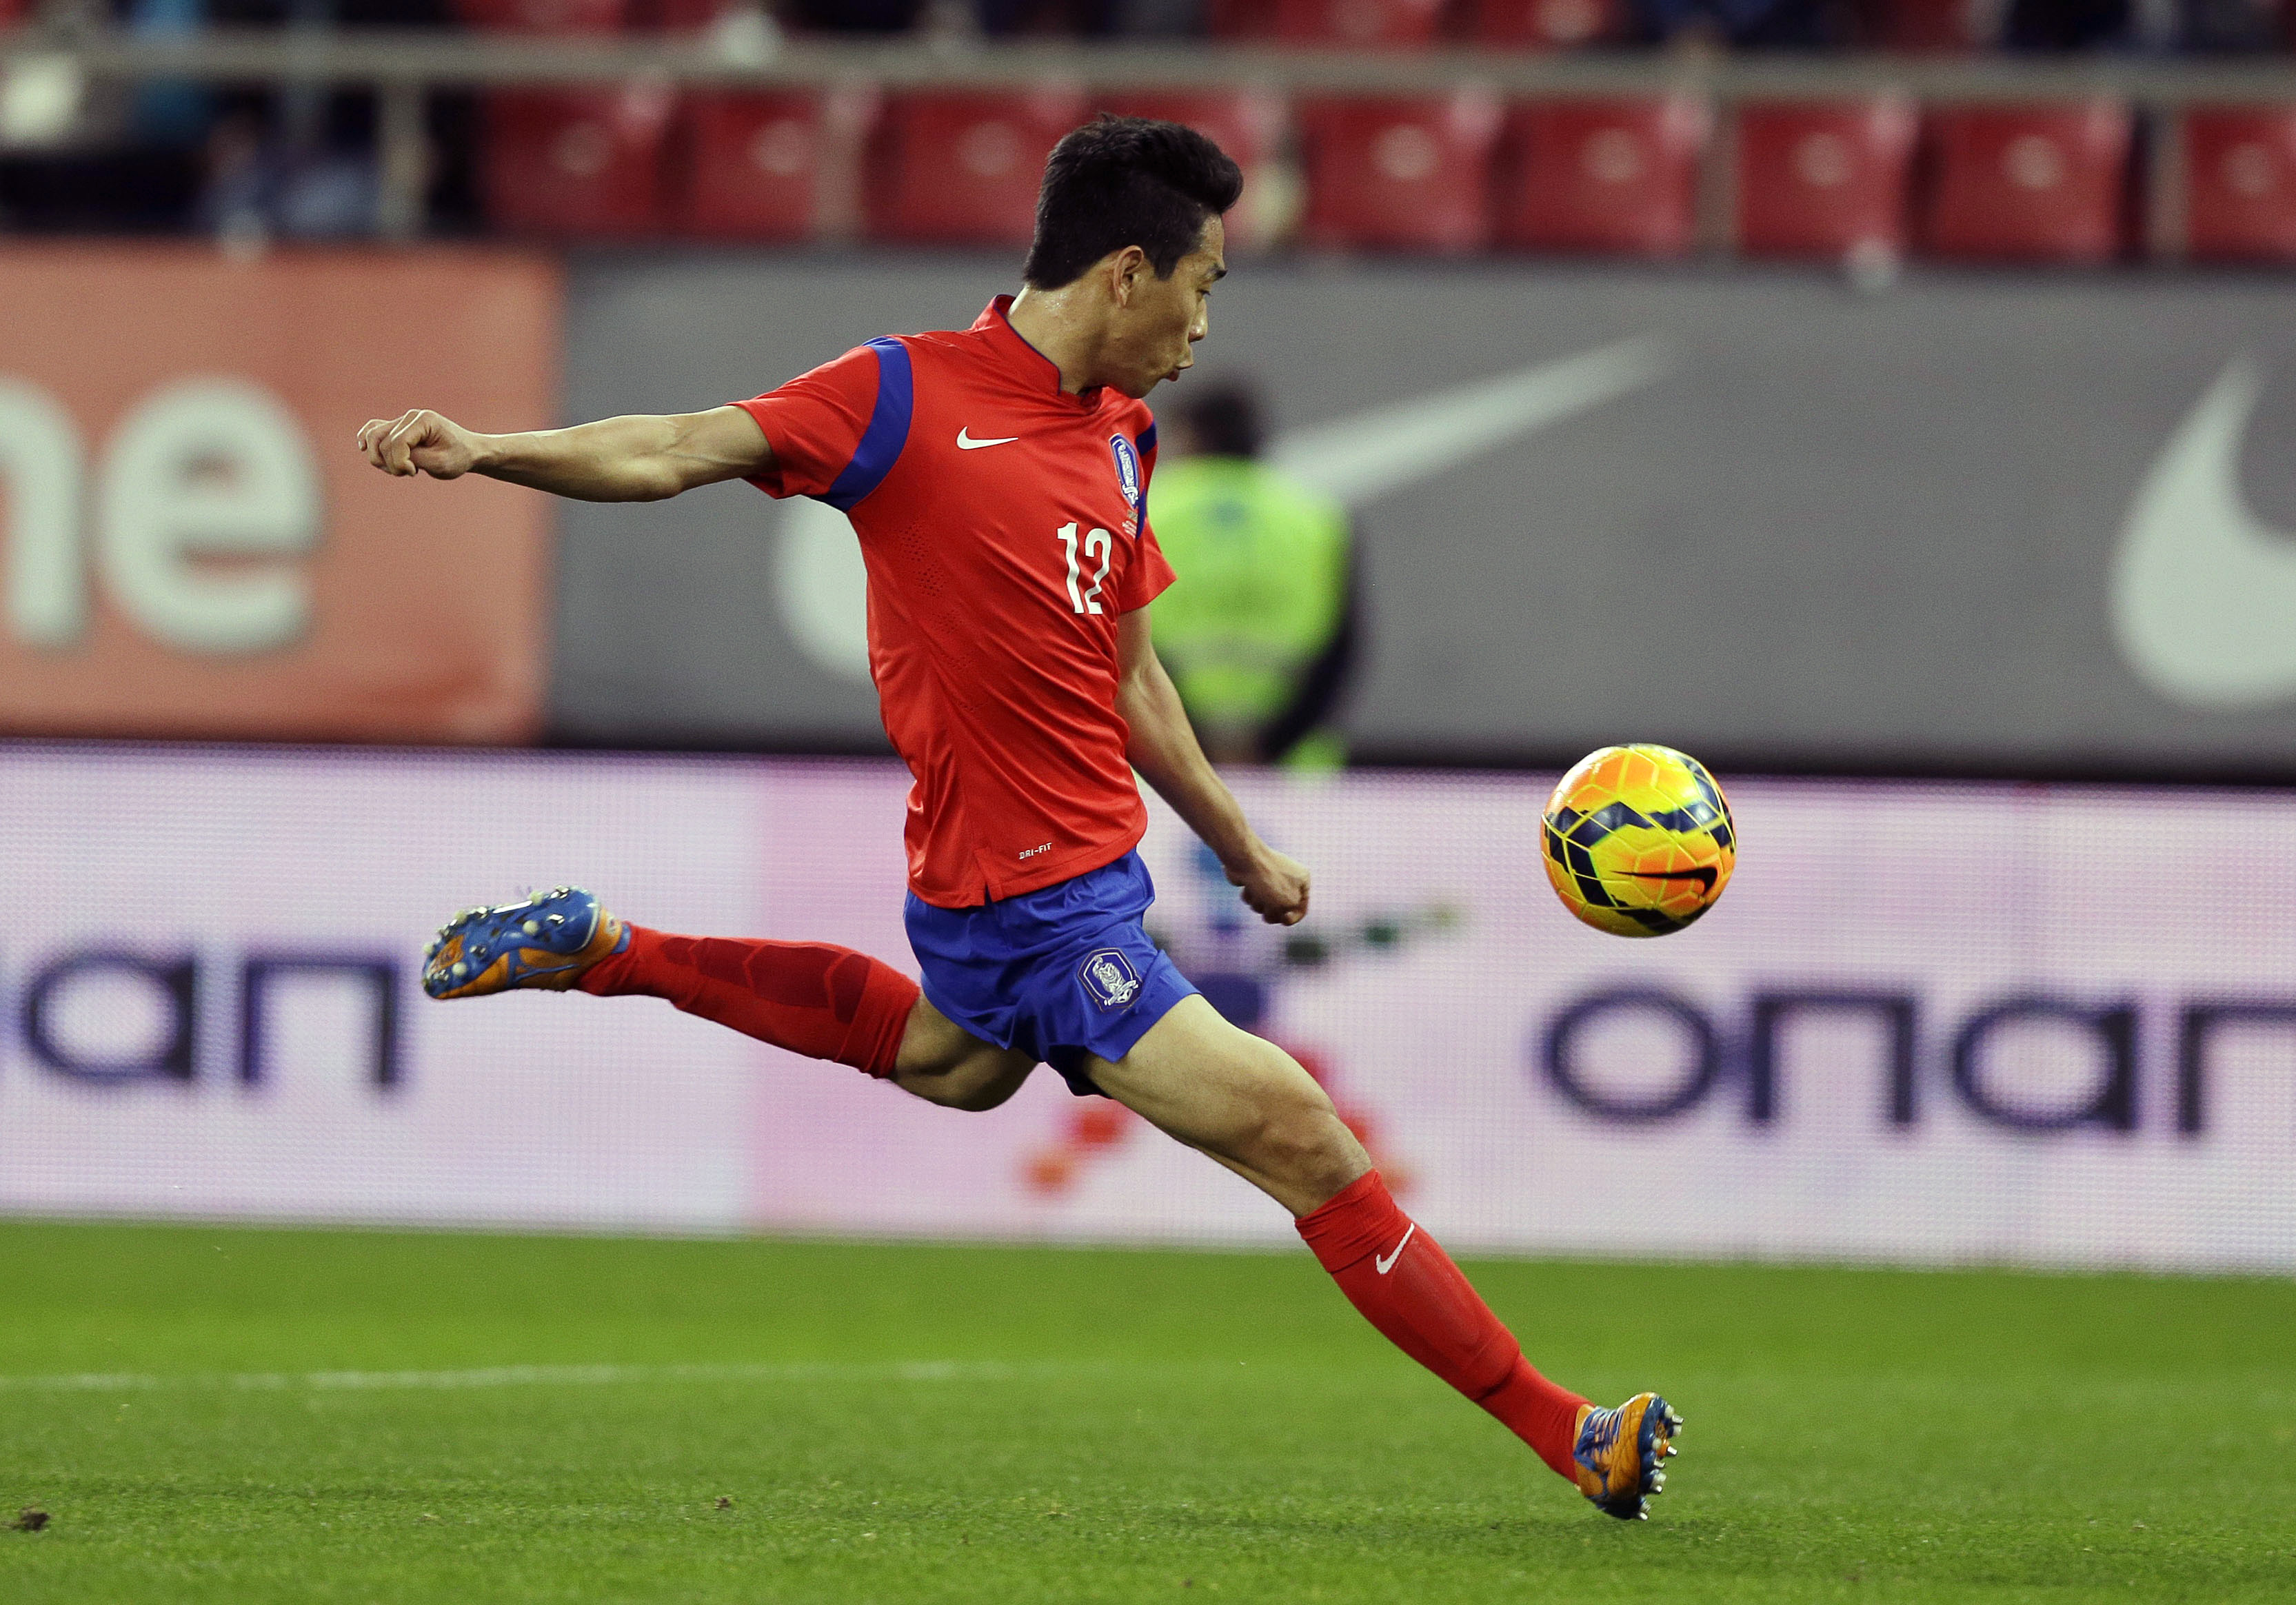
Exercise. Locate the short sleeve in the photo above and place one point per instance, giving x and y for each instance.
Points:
(1147, 574)
(814, 423)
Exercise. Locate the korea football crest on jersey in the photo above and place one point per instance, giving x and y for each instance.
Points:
(1109, 978)
(1128, 475)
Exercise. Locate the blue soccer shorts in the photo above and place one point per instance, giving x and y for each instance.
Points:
(1059, 972)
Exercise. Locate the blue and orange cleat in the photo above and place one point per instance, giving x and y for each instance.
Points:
(544, 942)
(1621, 1454)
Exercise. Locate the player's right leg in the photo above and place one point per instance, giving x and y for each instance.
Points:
(812, 998)
(1247, 1103)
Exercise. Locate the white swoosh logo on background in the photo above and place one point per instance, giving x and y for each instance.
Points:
(966, 443)
(822, 587)
(1361, 458)
(2204, 591)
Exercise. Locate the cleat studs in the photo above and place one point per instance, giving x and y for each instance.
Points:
(1658, 1482)
(461, 969)
(531, 929)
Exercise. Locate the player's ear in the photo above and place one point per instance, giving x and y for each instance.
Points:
(1125, 269)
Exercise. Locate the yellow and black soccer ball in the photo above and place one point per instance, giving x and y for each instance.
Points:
(1638, 840)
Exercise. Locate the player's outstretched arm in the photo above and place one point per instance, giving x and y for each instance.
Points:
(1164, 748)
(641, 458)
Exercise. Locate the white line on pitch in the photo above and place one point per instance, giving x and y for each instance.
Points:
(546, 1376)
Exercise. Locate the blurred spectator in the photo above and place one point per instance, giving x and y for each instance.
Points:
(2047, 26)
(260, 185)
(1743, 24)
(166, 111)
(1087, 19)
(857, 16)
(1264, 629)
(2225, 27)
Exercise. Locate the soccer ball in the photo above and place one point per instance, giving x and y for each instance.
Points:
(1639, 840)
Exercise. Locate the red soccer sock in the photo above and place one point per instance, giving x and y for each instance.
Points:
(811, 997)
(1406, 1286)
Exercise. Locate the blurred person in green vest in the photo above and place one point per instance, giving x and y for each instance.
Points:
(1264, 632)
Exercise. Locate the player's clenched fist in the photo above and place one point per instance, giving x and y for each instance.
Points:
(1274, 887)
(420, 441)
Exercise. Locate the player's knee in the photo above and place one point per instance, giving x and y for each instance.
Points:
(973, 1083)
(1298, 1136)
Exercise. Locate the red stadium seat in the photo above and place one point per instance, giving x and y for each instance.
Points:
(954, 169)
(1544, 24)
(545, 16)
(2239, 184)
(756, 167)
(1402, 174)
(2029, 183)
(1602, 174)
(689, 16)
(584, 163)
(1239, 18)
(1824, 178)
(1248, 125)
(1936, 27)
(1361, 23)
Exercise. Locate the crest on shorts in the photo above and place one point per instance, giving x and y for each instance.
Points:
(1109, 978)
(1128, 470)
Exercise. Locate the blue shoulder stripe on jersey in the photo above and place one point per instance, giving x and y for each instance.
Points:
(1148, 440)
(888, 431)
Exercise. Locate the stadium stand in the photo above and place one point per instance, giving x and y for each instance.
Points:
(1544, 24)
(1358, 22)
(962, 168)
(2239, 184)
(1822, 178)
(546, 16)
(2031, 183)
(755, 164)
(1934, 27)
(1400, 174)
(1616, 175)
(575, 164)
(1239, 18)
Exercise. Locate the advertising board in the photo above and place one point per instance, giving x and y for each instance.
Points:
(189, 543)
(1927, 1023)
(1978, 522)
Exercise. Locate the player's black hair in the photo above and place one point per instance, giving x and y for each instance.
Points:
(1222, 419)
(1121, 181)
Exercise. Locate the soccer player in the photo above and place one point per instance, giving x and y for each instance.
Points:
(997, 477)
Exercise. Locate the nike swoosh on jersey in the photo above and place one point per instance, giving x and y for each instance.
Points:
(966, 443)
(2203, 599)
(1362, 458)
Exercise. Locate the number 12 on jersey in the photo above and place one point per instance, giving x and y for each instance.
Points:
(1096, 541)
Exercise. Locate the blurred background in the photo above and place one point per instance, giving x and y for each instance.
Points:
(1878, 398)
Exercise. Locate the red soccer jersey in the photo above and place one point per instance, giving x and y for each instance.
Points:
(1003, 522)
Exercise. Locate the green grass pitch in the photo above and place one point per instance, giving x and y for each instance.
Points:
(557, 1419)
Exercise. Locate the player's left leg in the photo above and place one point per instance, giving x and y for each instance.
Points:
(813, 998)
(1250, 1105)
